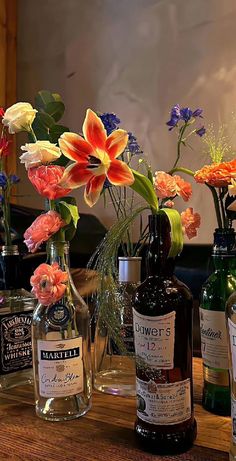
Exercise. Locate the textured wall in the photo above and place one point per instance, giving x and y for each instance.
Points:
(136, 58)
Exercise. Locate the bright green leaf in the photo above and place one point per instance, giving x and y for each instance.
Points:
(144, 187)
(56, 97)
(73, 210)
(176, 231)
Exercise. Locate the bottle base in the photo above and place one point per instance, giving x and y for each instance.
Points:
(115, 382)
(56, 410)
(166, 443)
(216, 400)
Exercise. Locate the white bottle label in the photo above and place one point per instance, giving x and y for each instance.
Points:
(232, 336)
(214, 339)
(163, 404)
(154, 339)
(60, 367)
(233, 418)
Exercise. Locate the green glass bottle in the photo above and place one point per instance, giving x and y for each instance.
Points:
(215, 292)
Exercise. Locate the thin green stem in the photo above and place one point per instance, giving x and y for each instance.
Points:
(180, 140)
(216, 203)
(182, 170)
(224, 219)
(33, 134)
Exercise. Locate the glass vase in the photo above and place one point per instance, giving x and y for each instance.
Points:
(114, 364)
(61, 350)
(16, 310)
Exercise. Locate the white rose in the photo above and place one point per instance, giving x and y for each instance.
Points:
(39, 153)
(19, 117)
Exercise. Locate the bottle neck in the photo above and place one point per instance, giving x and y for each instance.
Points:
(10, 268)
(129, 269)
(158, 263)
(224, 250)
(58, 252)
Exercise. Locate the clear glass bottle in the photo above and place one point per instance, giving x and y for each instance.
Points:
(162, 313)
(61, 350)
(16, 309)
(231, 327)
(215, 292)
(114, 364)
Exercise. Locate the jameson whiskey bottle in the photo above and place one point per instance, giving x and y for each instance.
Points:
(215, 292)
(231, 326)
(163, 345)
(16, 308)
(61, 350)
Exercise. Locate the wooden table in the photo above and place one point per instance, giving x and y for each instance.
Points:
(105, 433)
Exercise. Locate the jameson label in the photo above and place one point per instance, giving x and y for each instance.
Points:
(232, 336)
(60, 367)
(214, 339)
(233, 418)
(15, 342)
(163, 404)
(154, 339)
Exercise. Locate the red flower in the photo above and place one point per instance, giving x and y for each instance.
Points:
(190, 222)
(49, 283)
(2, 112)
(42, 229)
(96, 158)
(4, 147)
(46, 179)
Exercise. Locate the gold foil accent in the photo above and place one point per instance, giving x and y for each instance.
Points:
(221, 378)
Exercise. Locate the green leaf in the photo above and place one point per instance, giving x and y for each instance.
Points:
(144, 187)
(56, 97)
(46, 119)
(40, 130)
(70, 232)
(56, 131)
(71, 207)
(55, 109)
(176, 231)
(42, 98)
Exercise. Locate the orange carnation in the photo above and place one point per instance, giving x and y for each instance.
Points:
(190, 222)
(217, 174)
(184, 188)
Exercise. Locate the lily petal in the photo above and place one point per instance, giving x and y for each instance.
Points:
(116, 143)
(94, 131)
(76, 175)
(93, 189)
(120, 174)
(74, 147)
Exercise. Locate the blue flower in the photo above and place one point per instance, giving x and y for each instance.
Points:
(3, 179)
(14, 179)
(110, 122)
(186, 114)
(197, 113)
(183, 113)
(201, 131)
(174, 117)
(133, 146)
(107, 184)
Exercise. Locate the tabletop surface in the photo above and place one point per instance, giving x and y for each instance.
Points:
(105, 433)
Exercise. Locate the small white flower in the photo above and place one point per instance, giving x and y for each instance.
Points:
(39, 153)
(19, 117)
(232, 187)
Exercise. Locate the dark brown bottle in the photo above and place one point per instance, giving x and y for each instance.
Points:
(163, 345)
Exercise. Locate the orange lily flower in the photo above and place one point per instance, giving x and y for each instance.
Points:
(96, 158)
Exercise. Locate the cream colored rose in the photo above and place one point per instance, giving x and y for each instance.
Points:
(19, 117)
(39, 153)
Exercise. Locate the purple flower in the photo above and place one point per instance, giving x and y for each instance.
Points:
(174, 117)
(14, 179)
(110, 122)
(107, 184)
(197, 113)
(201, 131)
(3, 179)
(186, 114)
(133, 146)
(1, 199)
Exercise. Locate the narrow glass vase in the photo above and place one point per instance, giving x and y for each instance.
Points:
(114, 362)
(61, 350)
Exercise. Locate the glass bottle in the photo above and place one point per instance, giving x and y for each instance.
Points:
(114, 364)
(163, 344)
(231, 327)
(215, 292)
(16, 309)
(61, 350)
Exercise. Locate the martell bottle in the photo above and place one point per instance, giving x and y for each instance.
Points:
(16, 309)
(61, 350)
(231, 326)
(163, 345)
(215, 292)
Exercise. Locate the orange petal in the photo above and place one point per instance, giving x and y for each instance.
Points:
(116, 143)
(74, 147)
(93, 189)
(120, 174)
(76, 175)
(94, 131)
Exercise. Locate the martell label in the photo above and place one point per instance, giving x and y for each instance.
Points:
(214, 339)
(60, 367)
(15, 341)
(163, 404)
(154, 339)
